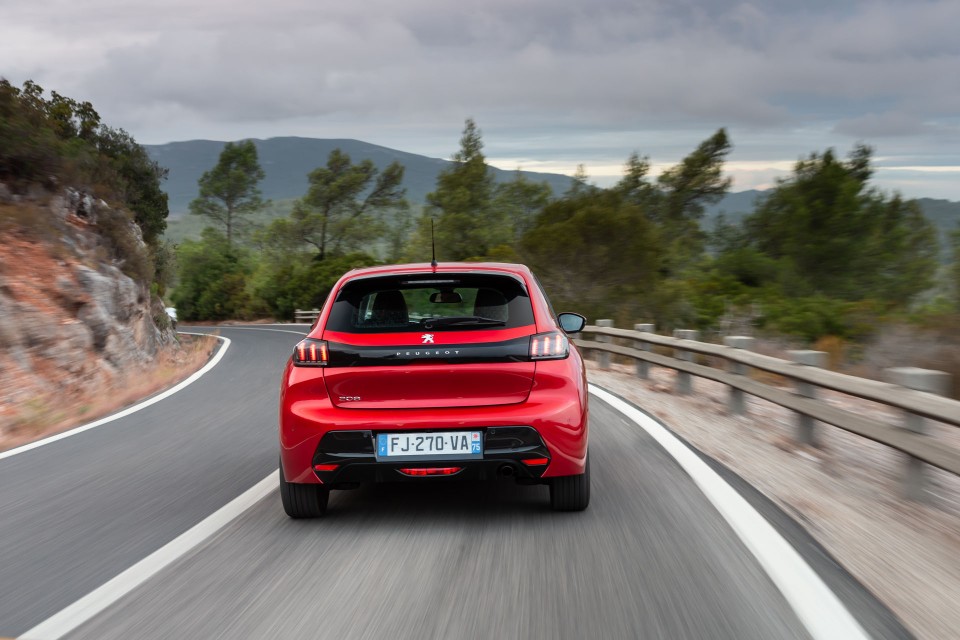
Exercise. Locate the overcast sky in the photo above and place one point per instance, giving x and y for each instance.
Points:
(551, 83)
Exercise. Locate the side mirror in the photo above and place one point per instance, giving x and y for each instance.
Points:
(571, 322)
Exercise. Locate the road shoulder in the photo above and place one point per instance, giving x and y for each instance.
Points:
(844, 495)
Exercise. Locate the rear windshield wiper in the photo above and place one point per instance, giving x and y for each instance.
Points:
(462, 321)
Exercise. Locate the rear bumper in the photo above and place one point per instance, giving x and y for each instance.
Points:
(348, 457)
(556, 410)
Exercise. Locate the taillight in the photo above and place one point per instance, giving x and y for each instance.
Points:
(311, 353)
(549, 346)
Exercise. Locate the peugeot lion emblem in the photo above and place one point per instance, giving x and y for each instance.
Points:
(427, 338)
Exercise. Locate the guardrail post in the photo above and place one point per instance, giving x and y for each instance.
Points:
(684, 380)
(806, 430)
(643, 367)
(736, 401)
(603, 358)
(937, 382)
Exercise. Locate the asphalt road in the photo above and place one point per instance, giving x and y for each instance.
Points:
(650, 558)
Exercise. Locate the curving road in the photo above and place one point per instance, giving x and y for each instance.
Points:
(651, 558)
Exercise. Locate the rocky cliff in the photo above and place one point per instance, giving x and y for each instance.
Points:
(73, 324)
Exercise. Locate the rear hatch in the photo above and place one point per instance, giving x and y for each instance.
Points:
(430, 340)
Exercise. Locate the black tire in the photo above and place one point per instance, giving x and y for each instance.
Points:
(571, 493)
(303, 500)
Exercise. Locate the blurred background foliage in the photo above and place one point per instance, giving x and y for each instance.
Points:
(823, 253)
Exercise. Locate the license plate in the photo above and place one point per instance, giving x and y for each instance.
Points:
(439, 445)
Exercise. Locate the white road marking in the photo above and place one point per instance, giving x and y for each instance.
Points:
(818, 608)
(299, 333)
(68, 619)
(137, 407)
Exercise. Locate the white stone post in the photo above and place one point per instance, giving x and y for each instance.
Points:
(806, 430)
(937, 382)
(603, 357)
(643, 367)
(684, 380)
(736, 401)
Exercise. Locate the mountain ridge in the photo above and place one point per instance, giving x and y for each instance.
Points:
(287, 160)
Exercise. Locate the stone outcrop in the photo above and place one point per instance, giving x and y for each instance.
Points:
(70, 319)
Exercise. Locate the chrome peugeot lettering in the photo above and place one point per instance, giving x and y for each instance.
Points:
(438, 352)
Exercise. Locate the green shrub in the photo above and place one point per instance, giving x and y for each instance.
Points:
(293, 281)
(116, 226)
(212, 279)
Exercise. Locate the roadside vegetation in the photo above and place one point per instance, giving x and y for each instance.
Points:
(51, 143)
(824, 254)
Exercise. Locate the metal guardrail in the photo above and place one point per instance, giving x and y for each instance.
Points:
(916, 404)
(306, 315)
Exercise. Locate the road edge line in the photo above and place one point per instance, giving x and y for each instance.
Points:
(819, 609)
(244, 328)
(74, 615)
(224, 345)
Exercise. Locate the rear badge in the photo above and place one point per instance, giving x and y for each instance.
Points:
(427, 338)
(349, 398)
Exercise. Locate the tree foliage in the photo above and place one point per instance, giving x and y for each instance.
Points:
(229, 191)
(594, 253)
(834, 235)
(519, 201)
(64, 139)
(213, 279)
(954, 277)
(137, 179)
(682, 192)
(344, 207)
(467, 223)
(635, 186)
(696, 181)
(286, 282)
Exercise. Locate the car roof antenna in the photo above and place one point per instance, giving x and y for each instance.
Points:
(433, 246)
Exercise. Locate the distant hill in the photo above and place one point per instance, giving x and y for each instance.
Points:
(733, 206)
(287, 161)
(944, 214)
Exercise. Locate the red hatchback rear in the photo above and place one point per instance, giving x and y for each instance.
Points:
(424, 373)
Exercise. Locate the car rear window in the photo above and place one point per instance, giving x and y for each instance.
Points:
(435, 301)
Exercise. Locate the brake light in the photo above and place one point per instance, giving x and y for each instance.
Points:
(311, 353)
(549, 346)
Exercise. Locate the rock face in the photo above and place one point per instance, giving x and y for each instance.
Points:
(70, 319)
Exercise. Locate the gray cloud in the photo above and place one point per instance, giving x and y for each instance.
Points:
(882, 125)
(615, 72)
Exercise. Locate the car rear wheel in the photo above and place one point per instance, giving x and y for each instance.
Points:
(303, 500)
(571, 493)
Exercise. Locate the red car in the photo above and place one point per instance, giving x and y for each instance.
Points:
(435, 373)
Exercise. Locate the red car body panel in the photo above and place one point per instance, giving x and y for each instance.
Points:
(455, 385)
(548, 395)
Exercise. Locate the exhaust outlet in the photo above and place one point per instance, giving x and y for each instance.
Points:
(505, 471)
